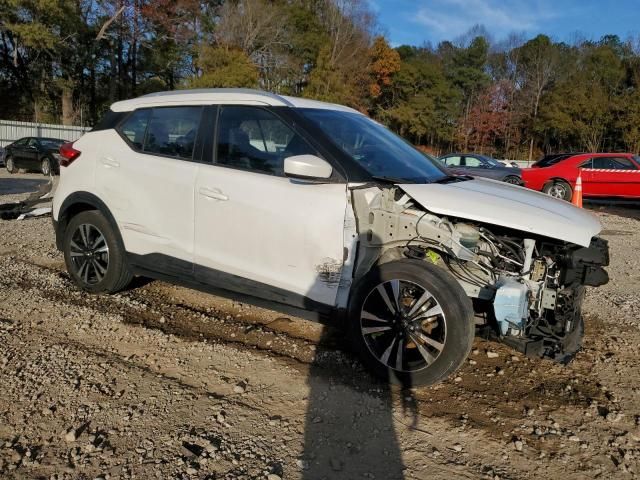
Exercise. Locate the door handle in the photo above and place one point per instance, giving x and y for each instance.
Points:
(109, 162)
(214, 193)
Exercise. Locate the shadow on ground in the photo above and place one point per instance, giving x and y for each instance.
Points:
(349, 432)
(621, 208)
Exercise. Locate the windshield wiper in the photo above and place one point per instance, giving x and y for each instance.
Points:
(453, 179)
(394, 180)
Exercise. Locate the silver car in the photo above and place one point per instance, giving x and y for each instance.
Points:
(478, 165)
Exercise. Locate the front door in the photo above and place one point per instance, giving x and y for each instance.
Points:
(31, 155)
(610, 176)
(259, 232)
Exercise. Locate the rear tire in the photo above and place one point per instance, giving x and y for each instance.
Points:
(94, 254)
(10, 165)
(558, 189)
(45, 166)
(513, 180)
(428, 336)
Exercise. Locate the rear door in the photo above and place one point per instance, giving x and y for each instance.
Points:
(149, 178)
(611, 176)
(455, 164)
(258, 232)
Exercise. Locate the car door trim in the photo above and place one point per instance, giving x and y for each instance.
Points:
(216, 282)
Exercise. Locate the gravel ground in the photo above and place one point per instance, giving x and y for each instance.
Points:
(165, 382)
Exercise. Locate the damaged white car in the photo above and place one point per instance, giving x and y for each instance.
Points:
(316, 210)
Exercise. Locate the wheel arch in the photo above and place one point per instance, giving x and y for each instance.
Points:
(552, 180)
(512, 175)
(79, 202)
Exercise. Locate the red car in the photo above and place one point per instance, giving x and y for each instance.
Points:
(603, 175)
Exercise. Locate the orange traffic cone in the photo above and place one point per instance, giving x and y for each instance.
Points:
(576, 198)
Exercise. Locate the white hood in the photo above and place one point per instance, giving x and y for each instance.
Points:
(509, 206)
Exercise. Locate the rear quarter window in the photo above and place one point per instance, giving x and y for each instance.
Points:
(109, 120)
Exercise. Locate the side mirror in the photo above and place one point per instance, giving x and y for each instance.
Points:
(307, 167)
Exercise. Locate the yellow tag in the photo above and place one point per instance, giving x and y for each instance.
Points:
(433, 256)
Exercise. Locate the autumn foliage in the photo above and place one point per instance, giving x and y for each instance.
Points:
(68, 60)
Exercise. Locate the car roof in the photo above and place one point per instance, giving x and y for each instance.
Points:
(205, 96)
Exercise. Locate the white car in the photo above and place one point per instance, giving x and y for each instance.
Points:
(314, 209)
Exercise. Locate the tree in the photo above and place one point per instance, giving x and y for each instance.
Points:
(539, 60)
(488, 118)
(384, 64)
(222, 67)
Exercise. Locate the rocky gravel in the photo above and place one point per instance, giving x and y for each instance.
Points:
(164, 382)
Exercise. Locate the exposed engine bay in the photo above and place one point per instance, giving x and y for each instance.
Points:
(526, 289)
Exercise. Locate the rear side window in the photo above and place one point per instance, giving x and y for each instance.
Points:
(166, 131)
(135, 127)
(172, 131)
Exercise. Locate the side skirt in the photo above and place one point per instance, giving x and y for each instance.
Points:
(207, 280)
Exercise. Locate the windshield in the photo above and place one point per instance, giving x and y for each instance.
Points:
(376, 149)
(51, 142)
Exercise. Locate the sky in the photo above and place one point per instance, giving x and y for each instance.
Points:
(415, 22)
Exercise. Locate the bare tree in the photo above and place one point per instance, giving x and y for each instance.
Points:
(539, 59)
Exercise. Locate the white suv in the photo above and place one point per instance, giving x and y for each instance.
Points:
(316, 210)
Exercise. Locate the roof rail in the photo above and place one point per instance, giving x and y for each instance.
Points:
(221, 90)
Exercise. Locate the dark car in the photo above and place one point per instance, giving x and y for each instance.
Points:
(481, 166)
(34, 153)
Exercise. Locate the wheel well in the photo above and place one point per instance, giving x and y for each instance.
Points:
(76, 203)
(512, 175)
(73, 210)
(554, 180)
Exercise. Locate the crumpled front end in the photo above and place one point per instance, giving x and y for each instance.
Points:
(527, 287)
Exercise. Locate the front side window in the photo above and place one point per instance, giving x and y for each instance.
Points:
(172, 131)
(375, 148)
(22, 142)
(254, 139)
(32, 143)
(472, 162)
(612, 163)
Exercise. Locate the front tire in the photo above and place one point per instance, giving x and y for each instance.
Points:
(10, 165)
(411, 322)
(94, 254)
(558, 189)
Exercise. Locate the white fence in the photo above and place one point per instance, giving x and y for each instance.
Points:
(11, 131)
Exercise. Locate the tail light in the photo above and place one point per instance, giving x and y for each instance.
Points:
(69, 154)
